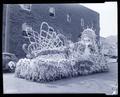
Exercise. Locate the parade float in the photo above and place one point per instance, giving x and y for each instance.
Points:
(50, 56)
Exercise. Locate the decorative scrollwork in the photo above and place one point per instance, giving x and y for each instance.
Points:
(46, 39)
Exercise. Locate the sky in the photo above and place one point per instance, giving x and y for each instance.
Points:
(108, 17)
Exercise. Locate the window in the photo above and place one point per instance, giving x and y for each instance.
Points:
(26, 27)
(82, 22)
(68, 18)
(26, 6)
(52, 11)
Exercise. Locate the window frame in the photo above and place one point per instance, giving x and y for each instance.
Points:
(23, 6)
(52, 12)
(68, 18)
(82, 22)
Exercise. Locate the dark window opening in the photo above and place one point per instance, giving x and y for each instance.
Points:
(52, 11)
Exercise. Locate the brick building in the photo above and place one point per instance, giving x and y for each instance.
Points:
(68, 19)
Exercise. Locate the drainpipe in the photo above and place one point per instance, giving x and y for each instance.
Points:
(7, 29)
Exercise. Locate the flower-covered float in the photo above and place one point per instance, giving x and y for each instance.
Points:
(50, 56)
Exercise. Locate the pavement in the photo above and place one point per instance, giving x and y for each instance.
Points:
(95, 83)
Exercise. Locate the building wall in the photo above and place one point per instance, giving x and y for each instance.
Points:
(39, 13)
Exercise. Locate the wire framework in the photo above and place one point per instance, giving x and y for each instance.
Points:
(45, 39)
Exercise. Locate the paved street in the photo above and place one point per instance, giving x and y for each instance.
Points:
(96, 83)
